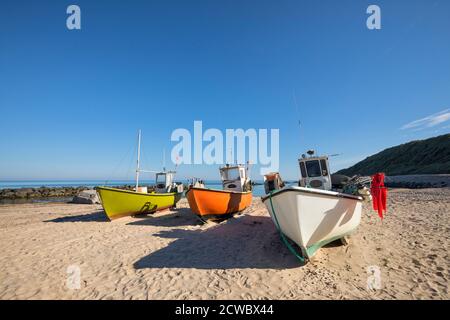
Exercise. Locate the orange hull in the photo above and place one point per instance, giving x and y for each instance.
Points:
(217, 204)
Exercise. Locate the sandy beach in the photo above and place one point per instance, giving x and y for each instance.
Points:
(171, 255)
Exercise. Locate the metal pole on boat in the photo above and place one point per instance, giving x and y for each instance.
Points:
(164, 159)
(138, 158)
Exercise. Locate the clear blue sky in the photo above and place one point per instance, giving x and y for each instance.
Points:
(72, 101)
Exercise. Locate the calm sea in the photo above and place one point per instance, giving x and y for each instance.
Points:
(258, 190)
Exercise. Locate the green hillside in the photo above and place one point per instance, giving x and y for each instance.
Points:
(430, 156)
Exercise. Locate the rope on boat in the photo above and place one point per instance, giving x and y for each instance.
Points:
(282, 236)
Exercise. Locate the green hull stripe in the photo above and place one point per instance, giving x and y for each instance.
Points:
(311, 250)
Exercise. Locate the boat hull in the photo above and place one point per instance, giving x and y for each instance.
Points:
(217, 204)
(312, 218)
(119, 203)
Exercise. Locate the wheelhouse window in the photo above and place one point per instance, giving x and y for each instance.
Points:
(303, 169)
(161, 179)
(323, 164)
(313, 168)
(230, 174)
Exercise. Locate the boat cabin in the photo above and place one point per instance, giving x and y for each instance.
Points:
(196, 183)
(164, 181)
(315, 171)
(234, 178)
(272, 182)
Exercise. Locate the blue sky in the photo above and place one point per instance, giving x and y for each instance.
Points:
(71, 101)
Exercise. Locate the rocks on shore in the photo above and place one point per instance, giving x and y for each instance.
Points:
(415, 185)
(48, 192)
(86, 197)
(418, 181)
(42, 192)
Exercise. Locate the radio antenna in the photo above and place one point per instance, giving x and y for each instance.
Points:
(298, 111)
(138, 159)
(231, 156)
(164, 159)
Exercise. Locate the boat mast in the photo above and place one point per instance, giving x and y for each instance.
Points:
(138, 158)
(164, 160)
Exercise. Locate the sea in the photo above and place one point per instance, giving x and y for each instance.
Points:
(258, 190)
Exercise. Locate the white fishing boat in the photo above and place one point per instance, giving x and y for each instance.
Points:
(312, 214)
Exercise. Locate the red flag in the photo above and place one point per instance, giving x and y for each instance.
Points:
(379, 193)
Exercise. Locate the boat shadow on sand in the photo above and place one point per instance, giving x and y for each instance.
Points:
(176, 218)
(98, 216)
(242, 242)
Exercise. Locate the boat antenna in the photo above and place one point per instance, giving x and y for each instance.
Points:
(248, 168)
(298, 111)
(138, 159)
(231, 156)
(176, 163)
(164, 159)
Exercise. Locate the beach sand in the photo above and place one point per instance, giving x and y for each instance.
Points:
(171, 255)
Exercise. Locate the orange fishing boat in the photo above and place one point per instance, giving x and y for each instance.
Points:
(215, 204)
